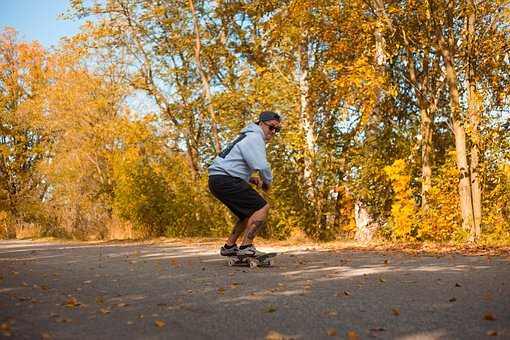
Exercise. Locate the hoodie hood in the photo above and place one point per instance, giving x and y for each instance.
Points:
(254, 128)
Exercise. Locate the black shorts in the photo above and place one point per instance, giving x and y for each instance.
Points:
(236, 194)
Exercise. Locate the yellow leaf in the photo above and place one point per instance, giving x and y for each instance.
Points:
(160, 323)
(72, 302)
(352, 335)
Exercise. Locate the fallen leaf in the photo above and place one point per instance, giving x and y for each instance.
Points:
(382, 280)
(489, 316)
(374, 332)
(104, 310)
(272, 335)
(453, 299)
(385, 262)
(352, 335)
(331, 332)
(396, 311)
(378, 329)
(160, 323)
(72, 303)
(271, 309)
(492, 333)
(458, 285)
(122, 304)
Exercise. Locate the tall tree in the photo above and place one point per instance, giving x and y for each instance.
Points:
(23, 137)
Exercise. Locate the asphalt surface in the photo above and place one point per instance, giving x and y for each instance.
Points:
(186, 291)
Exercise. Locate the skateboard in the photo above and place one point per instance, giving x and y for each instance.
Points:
(264, 260)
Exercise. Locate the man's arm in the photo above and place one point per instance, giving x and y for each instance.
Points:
(253, 150)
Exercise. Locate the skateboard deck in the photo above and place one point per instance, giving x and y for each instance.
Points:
(264, 260)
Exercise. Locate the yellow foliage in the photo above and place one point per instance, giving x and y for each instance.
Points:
(441, 220)
(403, 209)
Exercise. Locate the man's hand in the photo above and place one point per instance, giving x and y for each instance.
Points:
(266, 187)
(255, 181)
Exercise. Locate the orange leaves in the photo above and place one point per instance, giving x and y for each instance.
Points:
(5, 327)
(72, 302)
(489, 316)
(352, 335)
(331, 332)
(160, 323)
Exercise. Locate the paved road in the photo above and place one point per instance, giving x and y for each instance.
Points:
(185, 291)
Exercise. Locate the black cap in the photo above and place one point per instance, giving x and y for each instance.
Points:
(268, 115)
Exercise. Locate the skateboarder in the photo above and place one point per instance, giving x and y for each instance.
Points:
(230, 175)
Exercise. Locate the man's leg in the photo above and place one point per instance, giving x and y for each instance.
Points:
(237, 231)
(254, 223)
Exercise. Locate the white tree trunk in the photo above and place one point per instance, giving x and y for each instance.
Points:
(474, 122)
(306, 123)
(365, 228)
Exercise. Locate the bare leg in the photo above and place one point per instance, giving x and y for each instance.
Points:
(238, 230)
(254, 224)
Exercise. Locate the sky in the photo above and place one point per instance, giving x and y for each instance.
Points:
(37, 20)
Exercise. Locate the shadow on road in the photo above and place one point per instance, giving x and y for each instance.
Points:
(187, 291)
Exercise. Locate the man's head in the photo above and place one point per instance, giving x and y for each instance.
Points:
(269, 122)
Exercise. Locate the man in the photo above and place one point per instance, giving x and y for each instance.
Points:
(230, 176)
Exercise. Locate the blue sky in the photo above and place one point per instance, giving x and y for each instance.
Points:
(37, 20)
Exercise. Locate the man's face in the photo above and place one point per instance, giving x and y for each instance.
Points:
(270, 128)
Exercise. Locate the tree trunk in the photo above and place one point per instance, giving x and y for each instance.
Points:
(426, 116)
(466, 205)
(205, 80)
(306, 123)
(365, 228)
(426, 156)
(474, 119)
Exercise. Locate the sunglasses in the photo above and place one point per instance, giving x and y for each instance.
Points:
(273, 128)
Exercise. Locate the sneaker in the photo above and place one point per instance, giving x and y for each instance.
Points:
(250, 251)
(229, 251)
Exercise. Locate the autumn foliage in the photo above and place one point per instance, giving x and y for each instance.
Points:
(396, 120)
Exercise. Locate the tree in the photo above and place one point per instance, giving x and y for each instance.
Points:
(23, 138)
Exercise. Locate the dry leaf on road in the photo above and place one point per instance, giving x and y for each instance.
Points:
(160, 323)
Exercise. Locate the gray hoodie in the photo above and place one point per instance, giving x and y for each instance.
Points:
(243, 156)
